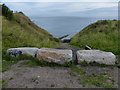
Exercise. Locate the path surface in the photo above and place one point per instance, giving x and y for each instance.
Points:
(21, 76)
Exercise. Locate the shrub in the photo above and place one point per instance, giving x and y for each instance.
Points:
(7, 12)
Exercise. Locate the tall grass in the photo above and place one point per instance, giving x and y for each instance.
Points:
(21, 32)
(100, 35)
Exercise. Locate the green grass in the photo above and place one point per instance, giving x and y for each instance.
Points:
(8, 60)
(102, 35)
(4, 83)
(71, 73)
(77, 70)
(98, 64)
(35, 62)
(108, 86)
(94, 80)
(84, 63)
(22, 32)
(66, 86)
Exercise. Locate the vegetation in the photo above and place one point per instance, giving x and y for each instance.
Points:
(35, 62)
(102, 35)
(84, 63)
(98, 64)
(10, 60)
(77, 70)
(4, 83)
(94, 80)
(20, 31)
(7, 12)
(66, 86)
(64, 36)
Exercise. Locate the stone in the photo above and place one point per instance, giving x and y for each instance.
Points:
(23, 50)
(97, 56)
(59, 56)
(14, 52)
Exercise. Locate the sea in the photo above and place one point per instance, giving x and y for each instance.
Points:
(62, 25)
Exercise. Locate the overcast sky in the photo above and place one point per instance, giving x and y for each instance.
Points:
(88, 8)
(59, 0)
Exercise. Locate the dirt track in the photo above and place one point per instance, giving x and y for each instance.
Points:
(21, 76)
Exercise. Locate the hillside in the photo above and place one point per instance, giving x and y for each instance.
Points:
(22, 32)
(102, 35)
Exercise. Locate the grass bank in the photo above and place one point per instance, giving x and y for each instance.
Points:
(19, 31)
(102, 35)
(22, 32)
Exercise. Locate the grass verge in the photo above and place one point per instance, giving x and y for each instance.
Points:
(102, 80)
(102, 35)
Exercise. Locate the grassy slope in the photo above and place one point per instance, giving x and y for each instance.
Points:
(102, 35)
(21, 31)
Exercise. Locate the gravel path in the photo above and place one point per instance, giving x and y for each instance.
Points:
(21, 76)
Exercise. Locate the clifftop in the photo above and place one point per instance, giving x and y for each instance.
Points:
(102, 35)
(20, 31)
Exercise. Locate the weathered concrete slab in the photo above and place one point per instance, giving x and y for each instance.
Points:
(59, 56)
(23, 50)
(96, 56)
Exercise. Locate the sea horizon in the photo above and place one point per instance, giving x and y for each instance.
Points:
(62, 25)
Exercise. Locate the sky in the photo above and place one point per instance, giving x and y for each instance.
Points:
(79, 8)
(60, 0)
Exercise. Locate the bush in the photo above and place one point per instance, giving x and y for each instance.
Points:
(7, 12)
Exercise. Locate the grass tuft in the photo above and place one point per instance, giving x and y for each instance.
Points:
(4, 83)
(95, 80)
(77, 70)
(97, 64)
(22, 32)
(84, 63)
